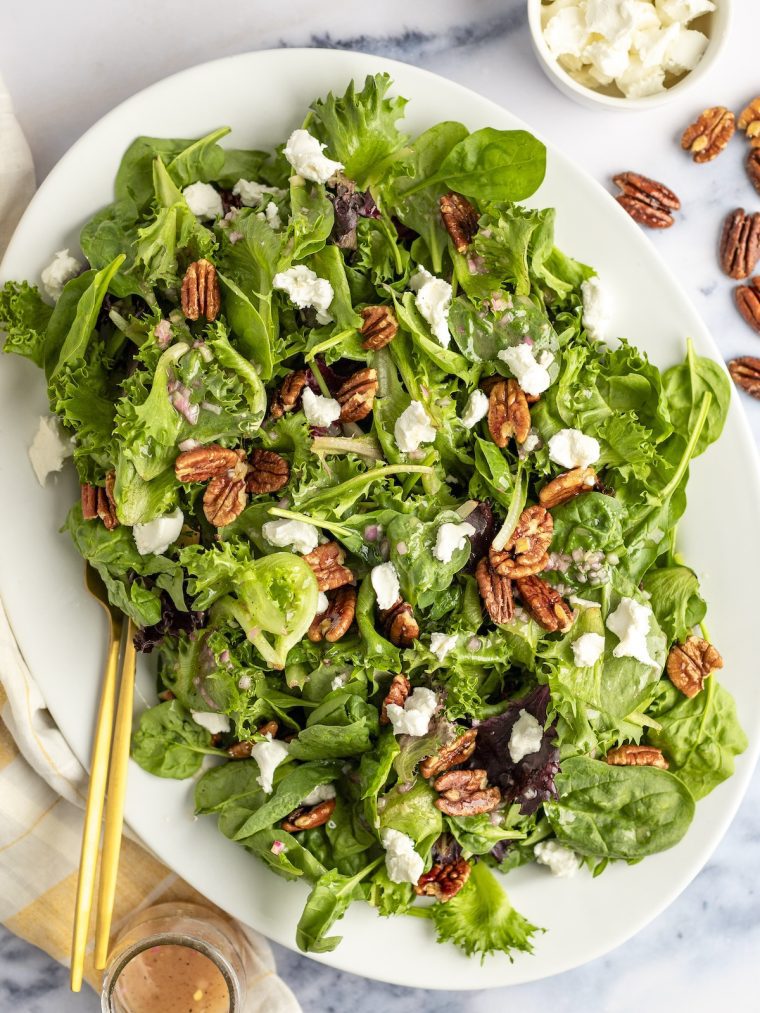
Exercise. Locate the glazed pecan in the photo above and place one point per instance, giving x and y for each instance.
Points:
(89, 499)
(740, 243)
(398, 691)
(648, 202)
(752, 166)
(327, 563)
(690, 663)
(334, 623)
(106, 508)
(567, 486)
(357, 395)
(225, 496)
(508, 412)
(749, 122)
(545, 604)
(709, 134)
(307, 818)
(243, 749)
(289, 394)
(636, 756)
(465, 793)
(526, 551)
(267, 472)
(379, 327)
(460, 220)
(200, 296)
(745, 372)
(748, 302)
(399, 625)
(204, 463)
(496, 592)
(444, 881)
(457, 752)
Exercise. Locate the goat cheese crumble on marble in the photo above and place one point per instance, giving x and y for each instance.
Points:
(433, 300)
(527, 736)
(305, 154)
(414, 717)
(570, 448)
(306, 290)
(319, 411)
(561, 860)
(413, 427)
(588, 649)
(385, 584)
(269, 755)
(48, 449)
(62, 268)
(203, 200)
(449, 538)
(630, 623)
(475, 409)
(155, 537)
(298, 535)
(531, 372)
(402, 862)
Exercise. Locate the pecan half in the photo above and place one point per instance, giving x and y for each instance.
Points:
(749, 122)
(89, 498)
(545, 604)
(748, 302)
(106, 508)
(327, 563)
(460, 220)
(335, 622)
(745, 372)
(508, 412)
(457, 752)
(267, 472)
(648, 202)
(289, 394)
(399, 625)
(225, 496)
(690, 663)
(399, 690)
(526, 551)
(709, 134)
(243, 749)
(740, 243)
(752, 166)
(636, 756)
(567, 486)
(357, 395)
(200, 295)
(204, 463)
(496, 592)
(465, 793)
(307, 818)
(379, 327)
(444, 881)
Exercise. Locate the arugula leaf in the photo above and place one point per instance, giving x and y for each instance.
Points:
(168, 743)
(24, 317)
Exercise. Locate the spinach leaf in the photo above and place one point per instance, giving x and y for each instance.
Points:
(328, 901)
(288, 795)
(619, 812)
(495, 165)
(699, 736)
(111, 232)
(421, 574)
(374, 770)
(202, 160)
(291, 859)
(327, 742)
(168, 743)
(686, 386)
(675, 599)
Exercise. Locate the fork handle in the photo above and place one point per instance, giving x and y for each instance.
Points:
(117, 785)
(93, 815)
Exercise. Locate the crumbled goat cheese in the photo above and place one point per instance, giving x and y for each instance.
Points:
(450, 538)
(322, 793)
(319, 411)
(414, 717)
(588, 649)
(527, 736)
(340, 680)
(413, 427)
(305, 154)
(203, 200)
(433, 299)
(323, 603)
(271, 216)
(305, 289)
(570, 448)
(475, 409)
(48, 449)
(531, 373)
(252, 194)
(157, 535)
(441, 645)
(269, 755)
(630, 623)
(685, 52)
(385, 585)
(299, 535)
(402, 862)
(596, 308)
(62, 268)
(684, 11)
(211, 721)
(562, 861)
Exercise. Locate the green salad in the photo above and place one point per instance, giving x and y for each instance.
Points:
(394, 514)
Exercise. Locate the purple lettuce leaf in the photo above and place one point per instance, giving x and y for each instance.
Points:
(173, 622)
(350, 205)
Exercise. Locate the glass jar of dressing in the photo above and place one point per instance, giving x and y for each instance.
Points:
(176, 958)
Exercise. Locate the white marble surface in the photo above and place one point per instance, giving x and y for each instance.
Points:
(67, 64)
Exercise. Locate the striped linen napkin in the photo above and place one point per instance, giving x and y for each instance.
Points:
(43, 785)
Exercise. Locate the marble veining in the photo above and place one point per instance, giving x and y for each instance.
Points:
(701, 953)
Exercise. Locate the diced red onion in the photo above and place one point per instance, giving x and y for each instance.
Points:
(402, 548)
(215, 409)
(163, 333)
(186, 445)
(277, 847)
(371, 532)
(473, 644)
(182, 404)
(234, 236)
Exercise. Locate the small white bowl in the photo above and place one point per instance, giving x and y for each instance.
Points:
(717, 31)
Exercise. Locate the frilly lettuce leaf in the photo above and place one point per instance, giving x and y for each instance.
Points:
(24, 318)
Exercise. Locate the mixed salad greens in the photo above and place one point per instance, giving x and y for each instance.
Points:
(396, 520)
